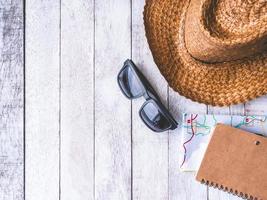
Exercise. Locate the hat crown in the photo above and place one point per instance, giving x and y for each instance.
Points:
(225, 30)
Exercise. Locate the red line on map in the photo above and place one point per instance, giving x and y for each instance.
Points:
(189, 140)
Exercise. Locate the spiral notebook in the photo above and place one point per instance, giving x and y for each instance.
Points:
(236, 161)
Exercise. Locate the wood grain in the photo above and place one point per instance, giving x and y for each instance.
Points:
(11, 100)
(150, 149)
(84, 139)
(42, 99)
(112, 109)
(77, 100)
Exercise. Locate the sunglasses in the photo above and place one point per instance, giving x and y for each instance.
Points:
(133, 85)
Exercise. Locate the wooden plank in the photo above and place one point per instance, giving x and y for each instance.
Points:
(238, 109)
(150, 149)
(182, 185)
(77, 99)
(11, 100)
(218, 110)
(112, 109)
(257, 106)
(42, 99)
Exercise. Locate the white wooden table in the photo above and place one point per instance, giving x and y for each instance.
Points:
(66, 131)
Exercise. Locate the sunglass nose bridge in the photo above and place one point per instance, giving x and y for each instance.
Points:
(133, 84)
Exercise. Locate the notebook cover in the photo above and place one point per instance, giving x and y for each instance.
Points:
(236, 161)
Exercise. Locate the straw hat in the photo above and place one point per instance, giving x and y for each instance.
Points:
(211, 51)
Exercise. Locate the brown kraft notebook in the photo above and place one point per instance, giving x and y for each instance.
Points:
(236, 161)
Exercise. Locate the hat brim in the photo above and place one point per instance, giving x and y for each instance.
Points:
(218, 84)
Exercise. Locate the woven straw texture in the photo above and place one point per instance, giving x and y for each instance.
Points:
(211, 51)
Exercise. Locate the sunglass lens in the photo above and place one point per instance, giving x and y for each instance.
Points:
(153, 117)
(129, 83)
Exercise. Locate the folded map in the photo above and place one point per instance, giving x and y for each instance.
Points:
(196, 131)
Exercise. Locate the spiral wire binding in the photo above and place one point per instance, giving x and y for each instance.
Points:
(229, 190)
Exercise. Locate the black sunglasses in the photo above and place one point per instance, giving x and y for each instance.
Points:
(133, 85)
